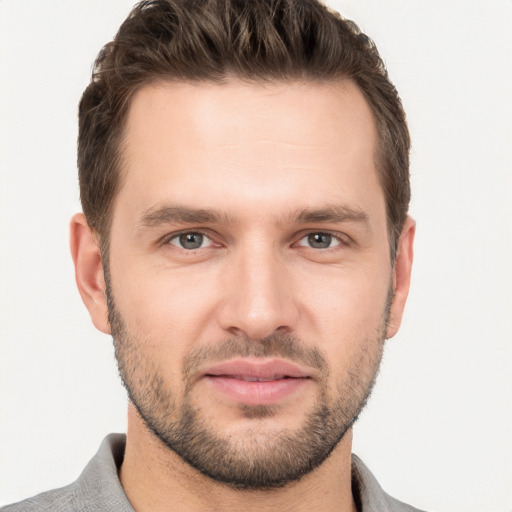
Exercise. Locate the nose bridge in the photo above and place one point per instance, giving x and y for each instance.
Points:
(259, 299)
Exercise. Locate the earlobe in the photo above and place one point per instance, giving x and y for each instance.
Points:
(401, 276)
(89, 274)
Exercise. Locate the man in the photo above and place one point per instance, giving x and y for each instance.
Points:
(243, 171)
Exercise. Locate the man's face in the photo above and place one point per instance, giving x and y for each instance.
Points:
(249, 276)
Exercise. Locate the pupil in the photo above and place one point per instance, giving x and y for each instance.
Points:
(191, 240)
(320, 240)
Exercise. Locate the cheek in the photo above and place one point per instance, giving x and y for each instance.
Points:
(344, 309)
(170, 307)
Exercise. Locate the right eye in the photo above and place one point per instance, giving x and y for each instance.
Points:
(190, 241)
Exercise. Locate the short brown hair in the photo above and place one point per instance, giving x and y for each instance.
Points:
(215, 40)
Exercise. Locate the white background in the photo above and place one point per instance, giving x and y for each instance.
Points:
(437, 432)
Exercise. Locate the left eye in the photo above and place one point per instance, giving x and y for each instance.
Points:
(190, 241)
(319, 241)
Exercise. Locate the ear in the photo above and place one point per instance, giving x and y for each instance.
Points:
(401, 276)
(89, 275)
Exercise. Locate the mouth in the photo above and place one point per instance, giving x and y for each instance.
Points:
(249, 378)
(256, 381)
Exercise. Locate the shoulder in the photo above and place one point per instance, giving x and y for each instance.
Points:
(97, 488)
(369, 495)
(57, 500)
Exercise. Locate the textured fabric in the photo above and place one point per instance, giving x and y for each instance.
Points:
(98, 488)
(368, 494)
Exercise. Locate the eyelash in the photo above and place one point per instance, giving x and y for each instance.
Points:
(167, 239)
(341, 238)
(333, 237)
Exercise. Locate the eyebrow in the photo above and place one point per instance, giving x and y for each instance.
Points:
(331, 213)
(169, 214)
(182, 215)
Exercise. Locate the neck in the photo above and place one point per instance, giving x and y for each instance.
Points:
(155, 479)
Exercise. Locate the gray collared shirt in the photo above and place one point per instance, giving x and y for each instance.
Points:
(98, 488)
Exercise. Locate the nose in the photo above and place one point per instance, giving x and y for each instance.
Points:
(258, 295)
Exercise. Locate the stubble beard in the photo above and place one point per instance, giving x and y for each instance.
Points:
(263, 458)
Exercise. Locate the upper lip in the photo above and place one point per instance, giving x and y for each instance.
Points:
(256, 369)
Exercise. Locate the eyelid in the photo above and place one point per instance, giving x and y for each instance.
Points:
(165, 240)
(342, 238)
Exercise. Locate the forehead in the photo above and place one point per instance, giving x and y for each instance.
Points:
(279, 143)
(227, 113)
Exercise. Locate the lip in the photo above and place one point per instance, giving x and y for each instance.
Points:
(256, 381)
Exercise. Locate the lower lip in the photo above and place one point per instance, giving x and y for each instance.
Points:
(256, 393)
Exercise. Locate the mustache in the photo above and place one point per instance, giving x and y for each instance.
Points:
(279, 345)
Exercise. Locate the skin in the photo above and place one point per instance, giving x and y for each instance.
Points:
(256, 155)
